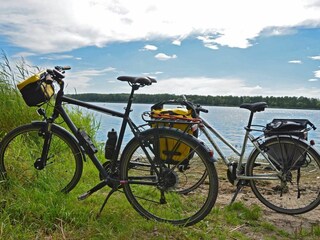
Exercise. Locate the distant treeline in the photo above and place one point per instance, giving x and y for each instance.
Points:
(274, 102)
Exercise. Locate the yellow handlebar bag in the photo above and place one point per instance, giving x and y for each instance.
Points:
(36, 90)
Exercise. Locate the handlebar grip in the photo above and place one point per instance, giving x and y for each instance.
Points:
(312, 125)
(66, 68)
(201, 109)
(62, 68)
(152, 80)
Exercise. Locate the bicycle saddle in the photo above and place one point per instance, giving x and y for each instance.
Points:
(254, 107)
(137, 80)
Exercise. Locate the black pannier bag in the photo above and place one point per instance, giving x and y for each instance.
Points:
(294, 127)
(287, 156)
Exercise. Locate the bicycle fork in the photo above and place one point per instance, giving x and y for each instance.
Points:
(46, 133)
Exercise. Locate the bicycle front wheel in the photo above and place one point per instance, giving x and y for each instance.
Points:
(22, 148)
(161, 185)
(290, 172)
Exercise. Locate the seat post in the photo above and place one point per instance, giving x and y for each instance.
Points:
(124, 122)
(130, 100)
(245, 140)
(250, 119)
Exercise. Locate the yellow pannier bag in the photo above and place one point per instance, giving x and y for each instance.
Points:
(36, 90)
(169, 150)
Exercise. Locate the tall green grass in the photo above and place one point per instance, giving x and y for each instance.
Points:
(15, 112)
(29, 212)
(13, 109)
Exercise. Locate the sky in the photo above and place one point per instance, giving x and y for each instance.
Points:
(205, 47)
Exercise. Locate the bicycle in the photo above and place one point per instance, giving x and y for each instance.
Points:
(283, 169)
(150, 180)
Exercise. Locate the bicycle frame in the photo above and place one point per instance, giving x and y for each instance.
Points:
(205, 127)
(207, 130)
(84, 139)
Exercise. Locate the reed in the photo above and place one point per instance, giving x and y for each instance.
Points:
(15, 112)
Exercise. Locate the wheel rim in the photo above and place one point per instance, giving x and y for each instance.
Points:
(179, 197)
(20, 155)
(297, 188)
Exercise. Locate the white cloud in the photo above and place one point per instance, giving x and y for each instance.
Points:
(223, 87)
(179, 40)
(95, 72)
(152, 73)
(206, 39)
(209, 42)
(23, 54)
(295, 61)
(211, 46)
(313, 80)
(317, 74)
(205, 86)
(278, 31)
(59, 57)
(164, 57)
(81, 80)
(315, 57)
(176, 42)
(306, 92)
(53, 26)
(149, 48)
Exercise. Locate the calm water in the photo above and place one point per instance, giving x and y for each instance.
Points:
(229, 121)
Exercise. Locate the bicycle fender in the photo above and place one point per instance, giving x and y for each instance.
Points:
(295, 138)
(291, 137)
(65, 132)
(306, 142)
(201, 144)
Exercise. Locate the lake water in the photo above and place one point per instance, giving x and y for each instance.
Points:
(229, 121)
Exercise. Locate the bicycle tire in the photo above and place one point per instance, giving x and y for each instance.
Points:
(299, 190)
(163, 197)
(20, 149)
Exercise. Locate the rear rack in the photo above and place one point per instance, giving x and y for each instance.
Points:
(168, 119)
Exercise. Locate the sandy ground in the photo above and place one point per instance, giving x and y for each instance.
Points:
(289, 223)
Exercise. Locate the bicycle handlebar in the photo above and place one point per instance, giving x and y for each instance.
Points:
(58, 72)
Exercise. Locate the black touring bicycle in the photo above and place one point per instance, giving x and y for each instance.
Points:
(147, 169)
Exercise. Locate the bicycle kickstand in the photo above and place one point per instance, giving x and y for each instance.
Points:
(240, 185)
(105, 201)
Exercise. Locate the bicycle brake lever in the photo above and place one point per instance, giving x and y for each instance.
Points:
(58, 74)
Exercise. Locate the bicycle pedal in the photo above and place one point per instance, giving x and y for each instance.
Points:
(183, 168)
(84, 196)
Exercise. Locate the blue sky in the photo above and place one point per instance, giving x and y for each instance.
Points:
(206, 47)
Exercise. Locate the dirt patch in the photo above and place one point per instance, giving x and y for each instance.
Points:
(288, 223)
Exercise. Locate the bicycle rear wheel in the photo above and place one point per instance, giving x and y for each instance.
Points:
(22, 147)
(296, 165)
(159, 188)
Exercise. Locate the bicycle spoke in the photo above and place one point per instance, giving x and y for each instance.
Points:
(296, 190)
(179, 197)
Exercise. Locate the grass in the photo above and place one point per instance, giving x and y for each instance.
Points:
(13, 108)
(15, 112)
(31, 212)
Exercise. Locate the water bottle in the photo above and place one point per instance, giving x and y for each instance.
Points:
(111, 144)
